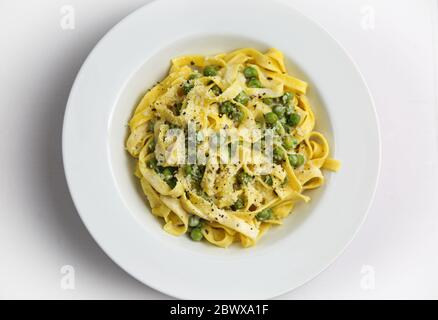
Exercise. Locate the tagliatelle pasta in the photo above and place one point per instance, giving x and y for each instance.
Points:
(251, 128)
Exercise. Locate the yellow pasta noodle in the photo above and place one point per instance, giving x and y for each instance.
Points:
(225, 146)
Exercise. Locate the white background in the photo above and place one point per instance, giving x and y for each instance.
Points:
(40, 230)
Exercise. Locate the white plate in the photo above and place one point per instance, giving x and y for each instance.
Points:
(131, 58)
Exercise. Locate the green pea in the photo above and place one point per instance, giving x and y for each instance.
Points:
(279, 110)
(301, 160)
(289, 142)
(210, 71)
(196, 234)
(250, 72)
(268, 180)
(195, 75)
(226, 107)
(254, 83)
(293, 159)
(293, 119)
(167, 173)
(242, 98)
(271, 118)
(296, 160)
(187, 87)
(264, 215)
(239, 204)
(286, 98)
(194, 221)
(243, 178)
(268, 101)
(237, 116)
(216, 90)
(278, 154)
(152, 164)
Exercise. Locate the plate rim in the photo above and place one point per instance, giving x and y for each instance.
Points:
(69, 108)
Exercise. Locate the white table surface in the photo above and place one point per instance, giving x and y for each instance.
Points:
(395, 44)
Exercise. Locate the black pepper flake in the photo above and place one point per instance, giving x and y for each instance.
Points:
(192, 63)
(269, 78)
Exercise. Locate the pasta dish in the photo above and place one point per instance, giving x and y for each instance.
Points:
(225, 146)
